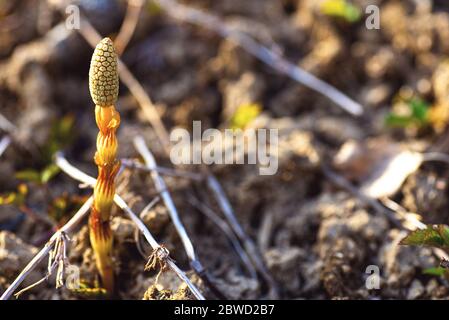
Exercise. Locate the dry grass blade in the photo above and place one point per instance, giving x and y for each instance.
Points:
(4, 143)
(129, 25)
(6, 125)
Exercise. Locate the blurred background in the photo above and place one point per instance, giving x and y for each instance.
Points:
(349, 186)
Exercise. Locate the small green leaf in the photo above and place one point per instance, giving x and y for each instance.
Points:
(29, 175)
(15, 198)
(393, 120)
(419, 109)
(61, 134)
(49, 172)
(444, 233)
(436, 271)
(87, 291)
(341, 9)
(244, 114)
(418, 115)
(426, 237)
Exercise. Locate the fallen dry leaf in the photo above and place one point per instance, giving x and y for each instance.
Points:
(379, 165)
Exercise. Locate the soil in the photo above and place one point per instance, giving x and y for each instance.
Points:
(315, 238)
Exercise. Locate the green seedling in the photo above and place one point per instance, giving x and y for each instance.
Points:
(40, 177)
(417, 115)
(88, 292)
(63, 207)
(341, 9)
(16, 198)
(436, 271)
(244, 115)
(436, 236)
(61, 134)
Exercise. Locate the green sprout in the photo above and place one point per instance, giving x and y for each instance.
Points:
(244, 115)
(86, 291)
(418, 115)
(341, 9)
(61, 134)
(436, 236)
(36, 176)
(16, 198)
(62, 208)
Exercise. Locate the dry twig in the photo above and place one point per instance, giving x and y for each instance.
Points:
(128, 26)
(4, 143)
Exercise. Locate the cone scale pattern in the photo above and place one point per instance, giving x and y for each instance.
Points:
(103, 85)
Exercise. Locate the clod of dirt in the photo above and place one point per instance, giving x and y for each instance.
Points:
(155, 293)
(345, 227)
(14, 255)
(8, 213)
(170, 288)
(380, 63)
(284, 265)
(338, 267)
(425, 193)
(416, 290)
(436, 290)
(376, 94)
(237, 286)
(156, 218)
(123, 229)
(370, 227)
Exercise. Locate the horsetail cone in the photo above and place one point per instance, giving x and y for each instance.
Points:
(103, 84)
(103, 76)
